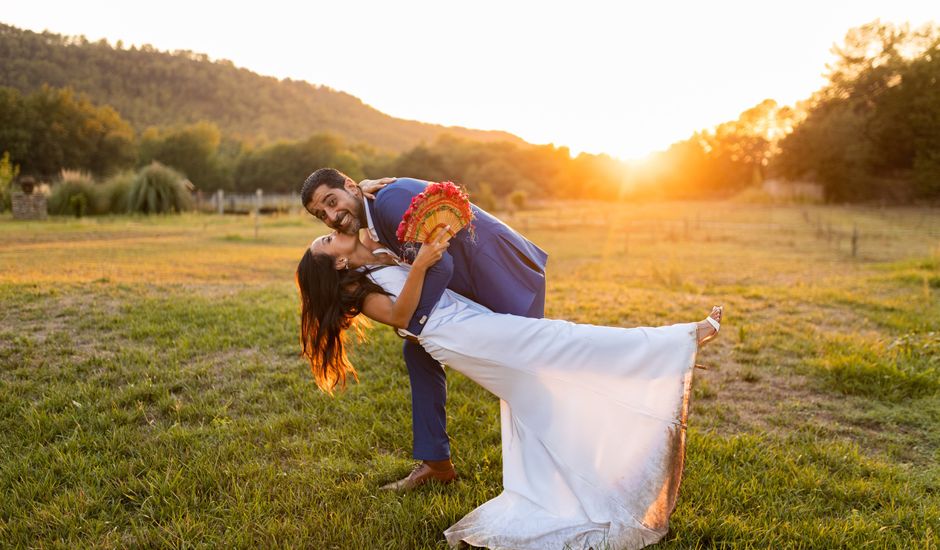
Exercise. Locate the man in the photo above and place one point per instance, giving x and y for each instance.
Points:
(497, 268)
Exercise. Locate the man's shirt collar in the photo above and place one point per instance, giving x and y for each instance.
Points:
(369, 224)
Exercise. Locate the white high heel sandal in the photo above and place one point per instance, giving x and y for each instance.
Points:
(717, 326)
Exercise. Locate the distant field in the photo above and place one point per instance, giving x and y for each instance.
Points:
(151, 392)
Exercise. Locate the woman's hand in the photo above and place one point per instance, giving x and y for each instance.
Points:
(432, 250)
(370, 187)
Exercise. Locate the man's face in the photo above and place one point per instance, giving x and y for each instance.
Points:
(339, 209)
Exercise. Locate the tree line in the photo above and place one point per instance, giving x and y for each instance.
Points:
(872, 132)
(52, 130)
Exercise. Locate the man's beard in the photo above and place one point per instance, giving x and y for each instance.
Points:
(352, 226)
(355, 221)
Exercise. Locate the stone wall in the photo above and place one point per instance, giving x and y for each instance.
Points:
(29, 207)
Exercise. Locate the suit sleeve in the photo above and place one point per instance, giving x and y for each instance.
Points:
(391, 205)
(435, 282)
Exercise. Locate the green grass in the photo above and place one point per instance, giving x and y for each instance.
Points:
(151, 392)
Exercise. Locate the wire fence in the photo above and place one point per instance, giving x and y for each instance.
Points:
(258, 202)
(866, 233)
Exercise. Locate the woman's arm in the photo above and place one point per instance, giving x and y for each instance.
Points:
(390, 207)
(398, 313)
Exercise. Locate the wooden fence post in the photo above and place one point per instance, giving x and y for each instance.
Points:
(854, 240)
(258, 196)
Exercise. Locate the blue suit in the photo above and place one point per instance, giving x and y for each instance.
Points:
(498, 268)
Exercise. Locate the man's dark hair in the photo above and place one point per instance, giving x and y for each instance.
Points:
(324, 176)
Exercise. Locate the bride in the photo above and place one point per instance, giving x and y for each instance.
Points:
(592, 417)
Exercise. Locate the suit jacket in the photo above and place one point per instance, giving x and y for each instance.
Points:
(498, 268)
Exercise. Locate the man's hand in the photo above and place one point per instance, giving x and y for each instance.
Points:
(371, 187)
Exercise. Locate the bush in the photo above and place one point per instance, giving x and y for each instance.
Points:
(111, 196)
(159, 190)
(484, 197)
(517, 199)
(73, 195)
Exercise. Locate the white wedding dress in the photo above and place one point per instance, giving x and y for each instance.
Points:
(592, 418)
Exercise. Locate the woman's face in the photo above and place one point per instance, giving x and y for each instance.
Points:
(336, 244)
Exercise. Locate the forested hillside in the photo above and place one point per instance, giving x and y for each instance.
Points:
(872, 133)
(148, 87)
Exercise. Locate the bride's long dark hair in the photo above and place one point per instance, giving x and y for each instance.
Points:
(330, 304)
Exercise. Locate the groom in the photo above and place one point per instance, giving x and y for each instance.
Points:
(497, 268)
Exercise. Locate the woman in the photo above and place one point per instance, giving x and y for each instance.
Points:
(593, 418)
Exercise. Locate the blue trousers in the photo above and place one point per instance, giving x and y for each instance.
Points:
(429, 394)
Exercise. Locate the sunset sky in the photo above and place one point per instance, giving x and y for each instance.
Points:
(615, 77)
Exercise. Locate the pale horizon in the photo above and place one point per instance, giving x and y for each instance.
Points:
(602, 78)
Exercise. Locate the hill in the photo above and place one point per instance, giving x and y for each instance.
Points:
(149, 87)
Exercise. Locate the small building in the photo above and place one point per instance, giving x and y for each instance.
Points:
(789, 190)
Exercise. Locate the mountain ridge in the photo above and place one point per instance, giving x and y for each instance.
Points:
(150, 87)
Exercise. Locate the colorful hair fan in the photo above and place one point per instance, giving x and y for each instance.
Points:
(440, 205)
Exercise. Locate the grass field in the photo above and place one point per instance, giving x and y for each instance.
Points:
(151, 391)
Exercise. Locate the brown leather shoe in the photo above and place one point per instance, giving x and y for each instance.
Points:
(440, 471)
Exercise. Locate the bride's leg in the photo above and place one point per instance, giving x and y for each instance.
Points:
(704, 330)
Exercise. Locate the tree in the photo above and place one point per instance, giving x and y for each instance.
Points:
(283, 166)
(51, 130)
(872, 130)
(15, 124)
(517, 199)
(192, 149)
(8, 173)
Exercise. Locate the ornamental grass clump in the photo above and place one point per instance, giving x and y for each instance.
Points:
(73, 195)
(158, 189)
(111, 196)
